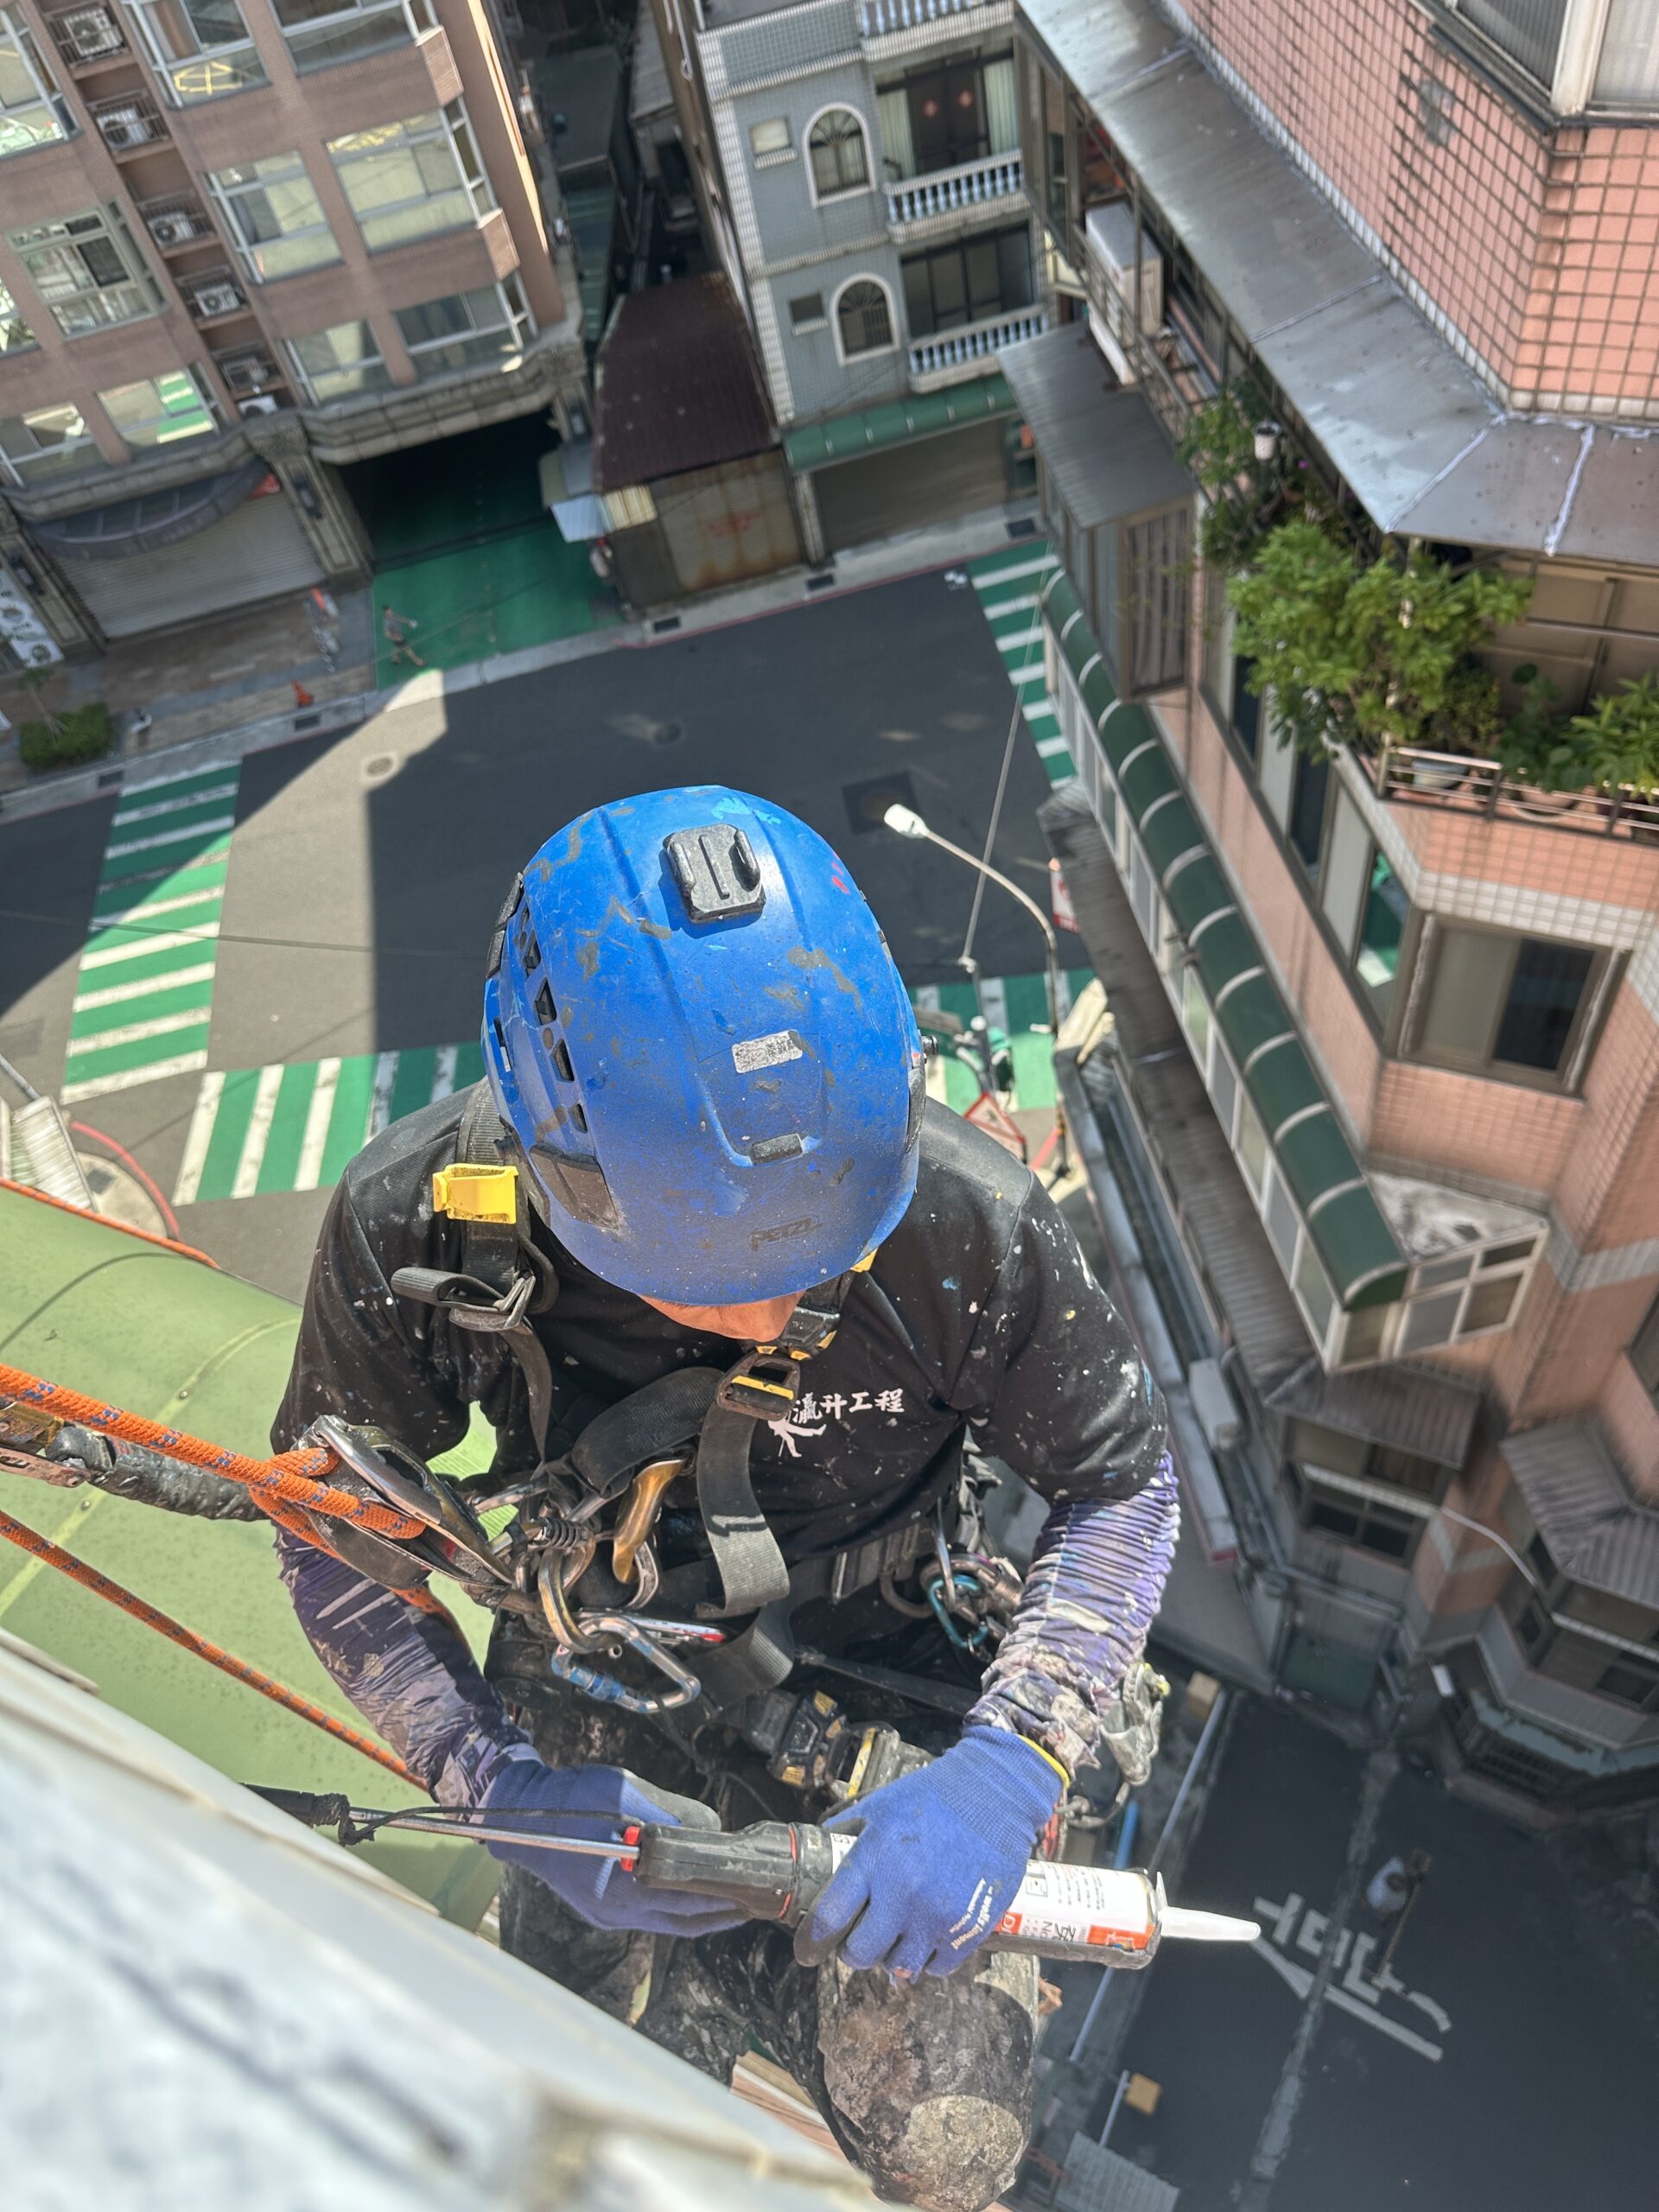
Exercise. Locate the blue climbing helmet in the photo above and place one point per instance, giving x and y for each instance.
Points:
(700, 1045)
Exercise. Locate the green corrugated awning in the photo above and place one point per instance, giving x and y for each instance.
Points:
(844, 437)
(1349, 1231)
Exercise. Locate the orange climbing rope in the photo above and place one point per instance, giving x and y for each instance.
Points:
(296, 1481)
(53, 1555)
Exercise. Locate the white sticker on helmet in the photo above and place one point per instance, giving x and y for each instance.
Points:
(767, 1051)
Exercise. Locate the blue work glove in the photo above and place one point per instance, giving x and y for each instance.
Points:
(598, 1889)
(939, 1856)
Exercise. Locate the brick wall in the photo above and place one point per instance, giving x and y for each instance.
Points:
(1534, 250)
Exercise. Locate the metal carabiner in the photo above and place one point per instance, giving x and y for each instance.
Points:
(622, 1628)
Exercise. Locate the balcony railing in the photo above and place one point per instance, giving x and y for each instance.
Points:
(1158, 358)
(951, 191)
(884, 18)
(212, 294)
(1408, 775)
(177, 222)
(86, 36)
(129, 124)
(248, 371)
(956, 353)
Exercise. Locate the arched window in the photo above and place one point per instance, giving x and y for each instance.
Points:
(836, 144)
(864, 319)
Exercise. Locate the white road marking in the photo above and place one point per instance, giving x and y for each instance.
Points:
(118, 993)
(195, 1145)
(133, 1032)
(258, 1136)
(152, 907)
(127, 814)
(130, 1078)
(316, 1125)
(170, 836)
(163, 941)
(443, 1072)
(385, 1074)
(1048, 746)
(1384, 2025)
(1019, 639)
(998, 577)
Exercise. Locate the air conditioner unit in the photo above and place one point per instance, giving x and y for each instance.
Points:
(124, 128)
(265, 404)
(1214, 1404)
(92, 32)
(173, 230)
(1110, 232)
(216, 299)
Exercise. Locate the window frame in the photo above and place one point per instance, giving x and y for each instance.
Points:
(306, 376)
(1313, 1488)
(136, 443)
(517, 319)
(16, 28)
(227, 198)
(872, 352)
(938, 255)
(12, 318)
(769, 156)
(83, 442)
(166, 69)
(417, 16)
(836, 192)
(75, 234)
(1600, 983)
(807, 324)
(447, 123)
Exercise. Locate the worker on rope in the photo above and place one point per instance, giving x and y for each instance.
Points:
(703, 1066)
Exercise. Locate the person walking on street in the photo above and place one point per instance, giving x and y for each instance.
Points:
(395, 628)
(704, 1074)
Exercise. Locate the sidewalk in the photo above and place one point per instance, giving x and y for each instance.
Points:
(194, 728)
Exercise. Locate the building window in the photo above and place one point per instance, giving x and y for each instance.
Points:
(413, 179)
(769, 139)
(47, 442)
(945, 118)
(16, 336)
(87, 270)
(1381, 933)
(33, 112)
(319, 32)
(835, 147)
(1348, 1512)
(159, 410)
(1644, 1351)
(465, 330)
(339, 362)
(275, 216)
(969, 281)
(806, 313)
(863, 318)
(1527, 31)
(1305, 826)
(1514, 1007)
(200, 48)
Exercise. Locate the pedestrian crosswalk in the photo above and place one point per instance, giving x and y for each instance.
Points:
(295, 1126)
(144, 994)
(1017, 1008)
(1009, 585)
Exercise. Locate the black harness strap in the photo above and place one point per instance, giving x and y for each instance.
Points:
(750, 1565)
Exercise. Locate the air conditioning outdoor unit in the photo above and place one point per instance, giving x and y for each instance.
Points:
(1110, 232)
(173, 230)
(92, 32)
(125, 127)
(265, 404)
(217, 299)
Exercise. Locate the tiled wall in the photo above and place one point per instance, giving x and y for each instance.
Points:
(1534, 251)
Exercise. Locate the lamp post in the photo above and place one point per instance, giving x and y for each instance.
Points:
(905, 822)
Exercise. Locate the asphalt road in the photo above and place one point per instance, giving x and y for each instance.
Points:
(1510, 2071)
(365, 872)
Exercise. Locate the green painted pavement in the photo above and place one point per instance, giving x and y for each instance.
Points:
(1007, 585)
(525, 589)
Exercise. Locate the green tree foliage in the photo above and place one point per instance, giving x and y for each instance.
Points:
(1613, 745)
(78, 734)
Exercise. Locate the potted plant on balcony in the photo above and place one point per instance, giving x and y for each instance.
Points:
(1612, 746)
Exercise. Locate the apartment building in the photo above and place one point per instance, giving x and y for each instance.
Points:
(1378, 1110)
(859, 173)
(244, 242)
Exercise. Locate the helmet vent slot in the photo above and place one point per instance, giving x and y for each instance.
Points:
(545, 1009)
(562, 1066)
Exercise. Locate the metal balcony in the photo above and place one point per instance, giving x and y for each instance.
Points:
(954, 192)
(131, 124)
(90, 36)
(248, 371)
(1408, 775)
(211, 294)
(177, 222)
(880, 19)
(956, 355)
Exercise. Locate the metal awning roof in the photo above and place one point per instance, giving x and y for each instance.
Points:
(1358, 1248)
(126, 527)
(1400, 1407)
(1100, 443)
(844, 437)
(1415, 433)
(1594, 1529)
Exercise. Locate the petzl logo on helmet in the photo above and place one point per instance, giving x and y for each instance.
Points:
(784, 1228)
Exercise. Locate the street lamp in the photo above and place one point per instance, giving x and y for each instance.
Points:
(905, 822)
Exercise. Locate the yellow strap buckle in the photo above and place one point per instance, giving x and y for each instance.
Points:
(471, 1191)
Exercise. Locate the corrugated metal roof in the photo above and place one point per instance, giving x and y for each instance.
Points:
(1359, 1250)
(1401, 1407)
(1100, 443)
(648, 87)
(1417, 435)
(1595, 1530)
(867, 429)
(676, 386)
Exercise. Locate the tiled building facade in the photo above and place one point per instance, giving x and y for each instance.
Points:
(860, 169)
(242, 243)
(1408, 1005)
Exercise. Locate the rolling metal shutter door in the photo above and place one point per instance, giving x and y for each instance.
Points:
(257, 552)
(904, 486)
